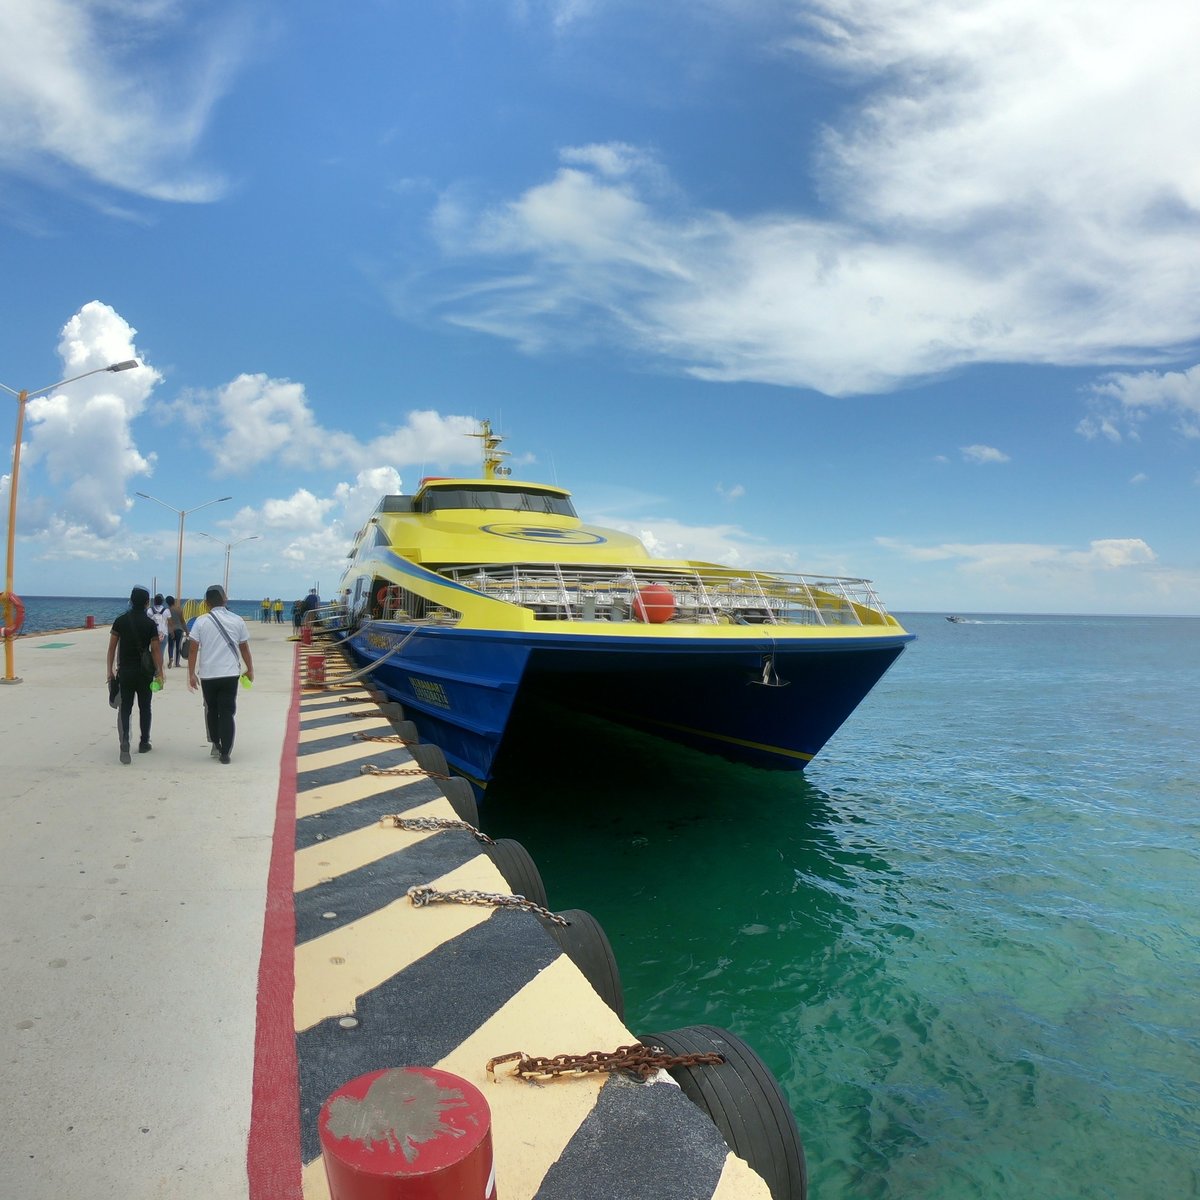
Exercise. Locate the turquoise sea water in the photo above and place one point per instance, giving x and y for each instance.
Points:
(46, 613)
(966, 941)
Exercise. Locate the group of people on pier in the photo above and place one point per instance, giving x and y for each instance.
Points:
(218, 644)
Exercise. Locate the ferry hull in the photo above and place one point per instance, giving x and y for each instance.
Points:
(462, 688)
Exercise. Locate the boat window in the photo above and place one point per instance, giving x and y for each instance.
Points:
(526, 500)
(396, 504)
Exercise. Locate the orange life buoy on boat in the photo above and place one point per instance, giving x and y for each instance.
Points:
(388, 597)
(14, 614)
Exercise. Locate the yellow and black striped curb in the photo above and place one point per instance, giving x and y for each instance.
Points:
(380, 983)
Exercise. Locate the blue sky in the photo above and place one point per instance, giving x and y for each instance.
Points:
(905, 290)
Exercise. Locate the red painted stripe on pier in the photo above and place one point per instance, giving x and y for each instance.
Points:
(273, 1152)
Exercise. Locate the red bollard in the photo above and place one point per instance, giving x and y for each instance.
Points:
(91, 623)
(306, 635)
(315, 670)
(408, 1133)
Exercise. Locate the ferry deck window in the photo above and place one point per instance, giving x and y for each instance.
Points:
(529, 500)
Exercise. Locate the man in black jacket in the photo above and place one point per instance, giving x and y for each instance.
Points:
(140, 663)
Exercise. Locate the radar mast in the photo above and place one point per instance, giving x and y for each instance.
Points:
(493, 456)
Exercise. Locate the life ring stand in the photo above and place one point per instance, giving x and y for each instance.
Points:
(11, 602)
(745, 1103)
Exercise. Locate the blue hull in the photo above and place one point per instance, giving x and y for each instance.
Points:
(462, 688)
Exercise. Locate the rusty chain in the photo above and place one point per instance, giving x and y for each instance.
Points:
(372, 769)
(399, 821)
(423, 894)
(382, 737)
(638, 1059)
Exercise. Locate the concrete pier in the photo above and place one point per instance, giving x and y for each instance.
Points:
(195, 956)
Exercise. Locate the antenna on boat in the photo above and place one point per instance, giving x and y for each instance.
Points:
(492, 454)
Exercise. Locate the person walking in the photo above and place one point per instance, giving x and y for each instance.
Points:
(161, 616)
(277, 608)
(175, 632)
(214, 643)
(266, 610)
(139, 664)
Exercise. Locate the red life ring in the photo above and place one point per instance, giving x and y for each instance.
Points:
(12, 604)
(388, 596)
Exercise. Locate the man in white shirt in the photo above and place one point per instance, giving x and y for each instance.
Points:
(215, 641)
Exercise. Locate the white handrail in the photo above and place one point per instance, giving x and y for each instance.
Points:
(712, 596)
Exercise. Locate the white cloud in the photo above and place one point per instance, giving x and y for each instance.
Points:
(82, 435)
(1103, 554)
(301, 510)
(65, 541)
(358, 499)
(1123, 400)
(80, 440)
(256, 419)
(736, 492)
(730, 545)
(1015, 184)
(983, 454)
(82, 90)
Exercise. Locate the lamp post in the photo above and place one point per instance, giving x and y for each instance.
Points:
(22, 397)
(228, 548)
(182, 513)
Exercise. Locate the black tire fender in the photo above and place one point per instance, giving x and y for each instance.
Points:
(745, 1103)
(586, 944)
(516, 864)
(462, 799)
(430, 758)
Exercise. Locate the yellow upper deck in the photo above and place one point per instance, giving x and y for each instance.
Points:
(468, 521)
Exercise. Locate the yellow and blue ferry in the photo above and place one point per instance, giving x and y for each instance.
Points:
(475, 597)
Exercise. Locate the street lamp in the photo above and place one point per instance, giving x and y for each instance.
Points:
(182, 512)
(22, 397)
(228, 548)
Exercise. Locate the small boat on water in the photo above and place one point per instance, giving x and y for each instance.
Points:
(473, 599)
(956, 619)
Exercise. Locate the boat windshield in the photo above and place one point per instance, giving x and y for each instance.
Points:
(531, 500)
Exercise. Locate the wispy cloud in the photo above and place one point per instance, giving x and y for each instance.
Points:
(983, 454)
(83, 98)
(1105, 554)
(1016, 184)
(1103, 575)
(1122, 401)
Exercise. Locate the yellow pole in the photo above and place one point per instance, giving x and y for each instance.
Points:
(22, 396)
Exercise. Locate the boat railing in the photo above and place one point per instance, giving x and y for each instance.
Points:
(699, 597)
